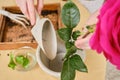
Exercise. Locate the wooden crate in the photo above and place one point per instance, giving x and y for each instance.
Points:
(14, 35)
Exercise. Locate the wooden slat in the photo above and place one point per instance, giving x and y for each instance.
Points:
(14, 45)
(2, 25)
(14, 9)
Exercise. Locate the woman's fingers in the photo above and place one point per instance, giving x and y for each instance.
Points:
(23, 7)
(28, 9)
(39, 6)
(31, 11)
(83, 43)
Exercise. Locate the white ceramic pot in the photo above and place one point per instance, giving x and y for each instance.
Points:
(53, 67)
(45, 35)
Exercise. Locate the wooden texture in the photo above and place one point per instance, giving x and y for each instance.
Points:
(13, 34)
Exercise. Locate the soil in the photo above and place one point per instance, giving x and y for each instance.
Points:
(52, 15)
(14, 32)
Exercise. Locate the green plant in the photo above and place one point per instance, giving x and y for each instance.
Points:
(71, 62)
(20, 59)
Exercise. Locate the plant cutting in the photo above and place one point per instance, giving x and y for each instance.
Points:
(22, 59)
(18, 60)
(71, 61)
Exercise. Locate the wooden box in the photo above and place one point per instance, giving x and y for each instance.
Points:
(14, 35)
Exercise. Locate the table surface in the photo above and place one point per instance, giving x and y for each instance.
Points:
(95, 62)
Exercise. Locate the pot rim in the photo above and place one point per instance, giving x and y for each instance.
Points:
(43, 67)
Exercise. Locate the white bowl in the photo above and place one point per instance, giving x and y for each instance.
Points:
(53, 67)
(45, 63)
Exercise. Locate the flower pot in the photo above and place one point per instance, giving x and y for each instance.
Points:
(53, 67)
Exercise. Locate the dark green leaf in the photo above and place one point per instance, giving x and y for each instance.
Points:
(11, 63)
(68, 73)
(26, 62)
(70, 15)
(70, 51)
(90, 29)
(77, 63)
(69, 44)
(65, 33)
(75, 34)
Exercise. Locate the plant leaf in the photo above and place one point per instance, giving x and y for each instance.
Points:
(11, 63)
(24, 61)
(77, 63)
(68, 73)
(70, 14)
(69, 44)
(70, 51)
(75, 34)
(65, 33)
(19, 59)
(90, 29)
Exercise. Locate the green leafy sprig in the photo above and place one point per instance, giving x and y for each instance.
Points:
(12, 63)
(72, 62)
(20, 59)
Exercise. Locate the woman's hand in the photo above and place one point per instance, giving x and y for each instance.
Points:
(28, 9)
(83, 41)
